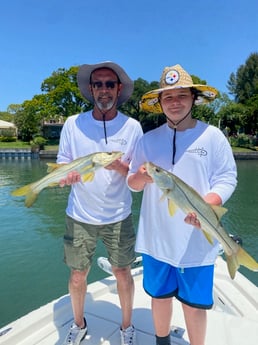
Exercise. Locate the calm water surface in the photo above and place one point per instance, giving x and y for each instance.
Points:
(31, 248)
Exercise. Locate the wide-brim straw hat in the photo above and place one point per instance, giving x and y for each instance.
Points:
(175, 77)
(84, 74)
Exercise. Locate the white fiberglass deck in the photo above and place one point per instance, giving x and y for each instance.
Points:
(233, 321)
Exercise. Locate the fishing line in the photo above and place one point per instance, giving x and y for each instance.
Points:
(104, 124)
(175, 130)
(104, 114)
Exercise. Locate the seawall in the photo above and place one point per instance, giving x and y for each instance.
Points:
(246, 155)
(51, 154)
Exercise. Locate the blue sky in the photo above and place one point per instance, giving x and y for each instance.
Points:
(210, 39)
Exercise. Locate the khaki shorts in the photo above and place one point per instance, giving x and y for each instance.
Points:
(80, 241)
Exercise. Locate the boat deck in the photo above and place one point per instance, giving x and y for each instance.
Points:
(232, 321)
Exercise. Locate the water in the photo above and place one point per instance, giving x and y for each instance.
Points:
(242, 216)
(31, 268)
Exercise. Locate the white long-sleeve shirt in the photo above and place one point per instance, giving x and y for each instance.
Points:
(204, 160)
(107, 198)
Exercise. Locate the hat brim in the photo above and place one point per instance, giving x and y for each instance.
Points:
(150, 100)
(83, 80)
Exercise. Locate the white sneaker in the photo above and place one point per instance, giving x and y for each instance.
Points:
(76, 334)
(128, 336)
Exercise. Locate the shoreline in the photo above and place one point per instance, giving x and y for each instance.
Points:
(246, 155)
(52, 154)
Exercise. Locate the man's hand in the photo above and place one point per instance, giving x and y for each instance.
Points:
(210, 198)
(119, 166)
(143, 176)
(71, 178)
(138, 180)
(192, 219)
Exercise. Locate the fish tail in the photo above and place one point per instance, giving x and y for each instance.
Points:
(233, 264)
(246, 260)
(27, 190)
(240, 258)
(22, 190)
(30, 198)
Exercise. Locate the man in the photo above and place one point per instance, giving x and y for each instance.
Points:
(101, 208)
(177, 258)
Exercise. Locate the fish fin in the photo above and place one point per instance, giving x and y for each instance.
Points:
(246, 260)
(232, 264)
(208, 236)
(163, 197)
(88, 177)
(22, 190)
(219, 210)
(87, 167)
(53, 166)
(30, 198)
(172, 207)
(53, 184)
(240, 258)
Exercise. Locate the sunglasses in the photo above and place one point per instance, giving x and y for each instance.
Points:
(109, 84)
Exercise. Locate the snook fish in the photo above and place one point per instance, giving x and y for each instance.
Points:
(85, 166)
(180, 195)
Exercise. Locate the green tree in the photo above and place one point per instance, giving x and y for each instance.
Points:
(231, 116)
(132, 106)
(250, 116)
(205, 113)
(60, 99)
(62, 93)
(5, 116)
(197, 80)
(28, 118)
(13, 108)
(220, 101)
(244, 84)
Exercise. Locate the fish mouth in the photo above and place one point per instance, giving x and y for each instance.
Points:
(108, 158)
(151, 167)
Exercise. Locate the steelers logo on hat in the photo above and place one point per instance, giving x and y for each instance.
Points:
(172, 77)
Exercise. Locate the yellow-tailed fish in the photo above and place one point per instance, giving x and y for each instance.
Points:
(180, 195)
(85, 166)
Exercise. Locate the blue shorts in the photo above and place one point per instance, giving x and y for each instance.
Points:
(192, 286)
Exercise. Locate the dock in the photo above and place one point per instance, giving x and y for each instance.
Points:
(18, 154)
(52, 154)
(246, 155)
(47, 154)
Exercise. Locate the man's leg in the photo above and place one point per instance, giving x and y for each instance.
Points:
(196, 323)
(125, 288)
(162, 313)
(78, 289)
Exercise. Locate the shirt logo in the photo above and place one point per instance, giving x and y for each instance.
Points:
(119, 141)
(199, 151)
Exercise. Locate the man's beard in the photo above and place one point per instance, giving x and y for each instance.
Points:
(105, 106)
